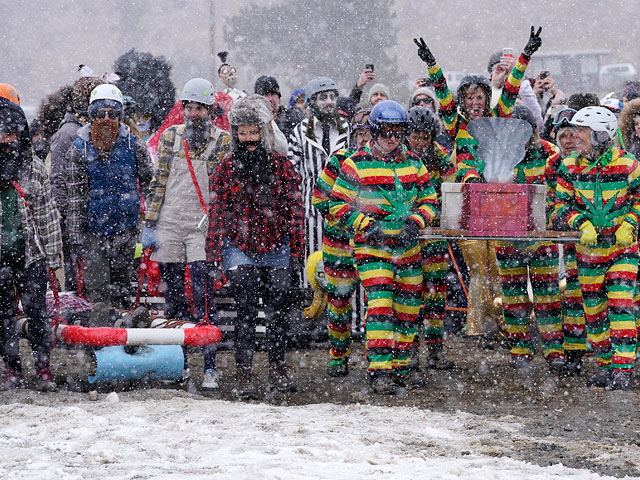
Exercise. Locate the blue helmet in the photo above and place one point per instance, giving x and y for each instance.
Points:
(387, 112)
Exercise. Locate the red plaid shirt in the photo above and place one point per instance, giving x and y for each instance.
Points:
(255, 216)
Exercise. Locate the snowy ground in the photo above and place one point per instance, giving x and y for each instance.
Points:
(178, 435)
(479, 421)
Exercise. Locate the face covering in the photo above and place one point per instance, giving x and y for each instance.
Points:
(104, 132)
(12, 159)
(253, 163)
(197, 132)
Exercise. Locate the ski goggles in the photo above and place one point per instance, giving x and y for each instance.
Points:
(563, 117)
(392, 132)
(112, 114)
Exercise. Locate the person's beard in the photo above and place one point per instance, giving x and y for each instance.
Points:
(254, 163)
(197, 132)
(12, 159)
(104, 133)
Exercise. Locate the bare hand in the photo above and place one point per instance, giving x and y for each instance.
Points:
(366, 76)
(502, 70)
(419, 83)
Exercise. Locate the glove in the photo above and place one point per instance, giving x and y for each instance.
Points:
(216, 275)
(624, 234)
(424, 53)
(589, 235)
(374, 235)
(534, 42)
(149, 238)
(409, 233)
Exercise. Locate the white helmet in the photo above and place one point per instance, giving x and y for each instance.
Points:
(106, 91)
(199, 90)
(598, 119)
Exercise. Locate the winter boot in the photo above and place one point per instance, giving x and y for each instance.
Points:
(244, 388)
(620, 381)
(210, 380)
(338, 367)
(383, 385)
(140, 318)
(280, 378)
(44, 380)
(436, 359)
(557, 364)
(411, 380)
(573, 367)
(12, 379)
(600, 379)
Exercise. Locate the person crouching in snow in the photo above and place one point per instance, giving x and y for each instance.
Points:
(598, 193)
(255, 236)
(31, 243)
(384, 196)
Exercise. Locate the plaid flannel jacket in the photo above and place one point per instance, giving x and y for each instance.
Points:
(254, 216)
(39, 217)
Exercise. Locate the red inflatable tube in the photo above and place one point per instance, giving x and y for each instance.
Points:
(105, 337)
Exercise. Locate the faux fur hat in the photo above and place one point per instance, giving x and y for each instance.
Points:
(81, 91)
(379, 87)
(253, 110)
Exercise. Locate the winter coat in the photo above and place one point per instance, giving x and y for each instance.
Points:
(256, 213)
(79, 181)
(288, 119)
(39, 217)
(60, 143)
(629, 137)
(456, 123)
(605, 194)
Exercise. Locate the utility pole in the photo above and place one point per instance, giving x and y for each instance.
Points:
(212, 40)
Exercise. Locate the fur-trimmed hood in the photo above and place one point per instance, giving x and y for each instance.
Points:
(253, 109)
(630, 110)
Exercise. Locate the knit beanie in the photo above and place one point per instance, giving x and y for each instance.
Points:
(379, 87)
(266, 85)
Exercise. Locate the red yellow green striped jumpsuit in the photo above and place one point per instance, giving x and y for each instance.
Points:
(607, 193)
(391, 273)
(337, 256)
(538, 262)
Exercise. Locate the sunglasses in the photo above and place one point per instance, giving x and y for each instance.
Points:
(112, 114)
(426, 101)
(392, 133)
(563, 117)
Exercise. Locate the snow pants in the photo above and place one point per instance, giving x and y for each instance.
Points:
(342, 281)
(435, 264)
(173, 279)
(573, 327)
(30, 283)
(392, 279)
(538, 262)
(607, 276)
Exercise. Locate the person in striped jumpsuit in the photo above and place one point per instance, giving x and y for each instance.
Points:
(573, 327)
(474, 96)
(337, 253)
(423, 129)
(310, 147)
(384, 196)
(537, 262)
(598, 193)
